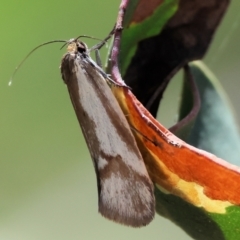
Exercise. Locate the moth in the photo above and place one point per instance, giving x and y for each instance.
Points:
(125, 190)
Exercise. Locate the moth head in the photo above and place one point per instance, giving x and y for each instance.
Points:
(82, 47)
(75, 46)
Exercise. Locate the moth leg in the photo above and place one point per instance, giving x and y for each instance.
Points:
(98, 59)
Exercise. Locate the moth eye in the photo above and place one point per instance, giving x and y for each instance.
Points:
(81, 49)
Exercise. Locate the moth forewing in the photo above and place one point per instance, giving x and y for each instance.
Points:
(124, 188)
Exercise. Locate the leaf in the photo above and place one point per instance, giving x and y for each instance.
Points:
(184, 38)
(189, 107)
(195, 189)
(215, 129)
(144, 22)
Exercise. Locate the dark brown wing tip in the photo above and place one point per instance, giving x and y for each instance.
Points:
(128, 200)
(136, 219)
(129, 221)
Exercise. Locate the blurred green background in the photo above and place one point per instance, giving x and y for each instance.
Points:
(48, 186)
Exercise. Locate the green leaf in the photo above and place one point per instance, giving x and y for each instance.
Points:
(193, 220)
(198, 223)
(150, 26)
(229, 222)
(215, 129)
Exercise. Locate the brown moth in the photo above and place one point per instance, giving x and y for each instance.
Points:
(125, 190)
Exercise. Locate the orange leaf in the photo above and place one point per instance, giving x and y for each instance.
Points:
(177, 167)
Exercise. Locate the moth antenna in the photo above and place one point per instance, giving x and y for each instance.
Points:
(75, 39)
(88, 37)
(21, 63)
(103, 42)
